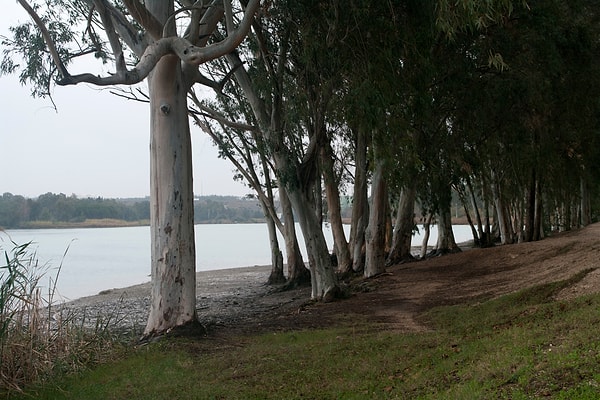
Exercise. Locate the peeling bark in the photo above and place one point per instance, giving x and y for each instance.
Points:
(173, 301)
(376, 231)
(403, 227)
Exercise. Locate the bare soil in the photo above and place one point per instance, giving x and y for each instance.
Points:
(237, 301)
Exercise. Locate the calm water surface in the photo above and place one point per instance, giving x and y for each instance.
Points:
(103, 258)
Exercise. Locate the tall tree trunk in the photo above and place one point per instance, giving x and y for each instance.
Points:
(403, 227)
(504, 225)
(376, 230)
(324, 282)
(173, 258)
(426, 234)
(474, 233)
(276, 276)
(586, 213)
(298, 274)
(446, 242)
(530, 209)
(342, 251)
(538, 231)
(480, 230)
(360, 204)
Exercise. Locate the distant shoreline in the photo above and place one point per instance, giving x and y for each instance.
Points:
(119, 223)
(88, 223)
(111, 223)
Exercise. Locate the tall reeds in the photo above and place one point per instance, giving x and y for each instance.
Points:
(39, 339)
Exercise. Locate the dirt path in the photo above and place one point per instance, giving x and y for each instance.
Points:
(238, 301)
(400, 296)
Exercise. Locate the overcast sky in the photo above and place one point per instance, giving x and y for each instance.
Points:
(96, 144)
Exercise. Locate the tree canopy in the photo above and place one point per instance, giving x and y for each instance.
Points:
(494, 103)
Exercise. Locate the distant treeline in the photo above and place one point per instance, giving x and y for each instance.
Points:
(19, 212)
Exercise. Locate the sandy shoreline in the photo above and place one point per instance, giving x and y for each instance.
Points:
(221, 298)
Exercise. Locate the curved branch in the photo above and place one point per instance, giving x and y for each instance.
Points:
(199, 55)
(181, 47)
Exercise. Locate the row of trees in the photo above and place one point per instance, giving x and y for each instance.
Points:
(416, 100)
(400, 101)
(17, 211)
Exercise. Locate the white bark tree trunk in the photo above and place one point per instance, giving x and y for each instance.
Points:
(360, 204)
(376, 231)
(403, 227)
(173, 257)
(324, 282)
(298, 274)
(446, 242)
(342, 250)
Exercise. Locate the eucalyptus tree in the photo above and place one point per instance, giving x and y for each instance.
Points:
(535, 113)
(229, 121)
(273, 78)
(163, 42)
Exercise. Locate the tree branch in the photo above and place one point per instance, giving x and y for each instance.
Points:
(47, 38)
(113, 39)
(217, 116)
(181, 47)
(141, 14)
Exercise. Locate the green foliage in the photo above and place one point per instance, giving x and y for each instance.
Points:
(227, 209)
(16, 211)
(524, 345)
(19, 212)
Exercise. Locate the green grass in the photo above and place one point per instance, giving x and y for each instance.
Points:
(520, 346)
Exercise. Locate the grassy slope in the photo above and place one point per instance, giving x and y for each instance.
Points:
(523, 345)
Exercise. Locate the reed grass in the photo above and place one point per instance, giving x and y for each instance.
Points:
(39, 338)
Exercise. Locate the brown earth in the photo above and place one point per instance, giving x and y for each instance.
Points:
(397, 298)
(238, 301)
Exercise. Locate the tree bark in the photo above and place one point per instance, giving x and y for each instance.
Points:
(376, 230)
(446, 242)
(426, 234)
(342, 251)
(586, 213)
(480, 231)
(173, 300)
(276, 276)
(298, 274)
(360, 204)
(504, 225)
(403, 227)
(324, 282)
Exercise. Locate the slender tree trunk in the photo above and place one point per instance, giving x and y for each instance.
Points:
(586, 213)
(298, 274)
(476, 209)
(376, 230)
(446, 242)
(342, 250)
(538, 231)
(324, 282)
(530, 211)
(403, 227)
(173, 258)
(360, 204)
(276, 277)
(426, 234)
(504, 225)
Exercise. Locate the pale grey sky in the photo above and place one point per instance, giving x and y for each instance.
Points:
(97, 144)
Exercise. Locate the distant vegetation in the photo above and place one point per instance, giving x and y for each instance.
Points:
(59, 210)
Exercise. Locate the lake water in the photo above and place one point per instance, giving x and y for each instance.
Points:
(104, 258)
